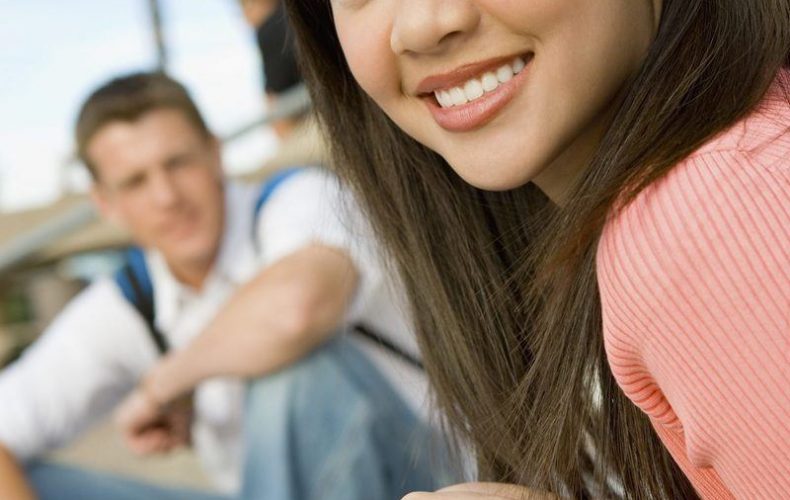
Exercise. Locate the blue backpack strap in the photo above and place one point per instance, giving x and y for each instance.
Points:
(135, 284)
(270, 185)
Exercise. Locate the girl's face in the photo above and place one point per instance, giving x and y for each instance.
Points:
(506, 91)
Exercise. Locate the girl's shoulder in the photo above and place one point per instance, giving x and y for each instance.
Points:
(723, 207)
(764, 135)
(718, 220)
(735, 184)
(694, 275)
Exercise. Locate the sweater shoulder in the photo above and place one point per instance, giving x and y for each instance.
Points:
(694, 277)
(732, 190)
(715, 198)
(703, 252)
(764, 134)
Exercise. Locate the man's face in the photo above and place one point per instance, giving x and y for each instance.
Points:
(161, 179)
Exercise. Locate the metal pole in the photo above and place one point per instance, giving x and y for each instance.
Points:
(159, 40)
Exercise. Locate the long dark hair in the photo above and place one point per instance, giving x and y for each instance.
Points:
(502, 285)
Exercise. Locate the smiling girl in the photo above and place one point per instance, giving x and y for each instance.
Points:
(589, 202)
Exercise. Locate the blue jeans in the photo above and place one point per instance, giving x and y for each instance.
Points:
(329, 427)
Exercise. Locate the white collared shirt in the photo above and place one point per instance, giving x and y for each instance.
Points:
(98, 348)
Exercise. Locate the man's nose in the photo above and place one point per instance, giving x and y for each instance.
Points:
(163, 190)
(427, 26)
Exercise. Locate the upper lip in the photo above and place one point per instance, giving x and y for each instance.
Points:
(462, 74)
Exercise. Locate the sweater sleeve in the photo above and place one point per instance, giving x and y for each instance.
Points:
(695, 287)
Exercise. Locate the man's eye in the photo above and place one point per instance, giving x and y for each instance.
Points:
(132, 183)
(179, 162)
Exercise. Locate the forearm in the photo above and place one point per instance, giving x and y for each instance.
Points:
(12, 480)
(283, 313)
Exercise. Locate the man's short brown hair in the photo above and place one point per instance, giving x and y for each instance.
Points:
(126, 99)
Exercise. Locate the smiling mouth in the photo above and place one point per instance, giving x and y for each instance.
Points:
(477, 87)
(180, 227)
(472, 96)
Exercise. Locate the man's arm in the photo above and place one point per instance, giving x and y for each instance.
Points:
(12, 479)
(75, 373)
(288, 309)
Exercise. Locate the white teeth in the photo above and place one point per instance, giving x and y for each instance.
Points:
(458, 96)
(475, 88)
(504, 74)
(444, 98)
(518, 65)
(448, 97)
(440, 98)
(490, 82)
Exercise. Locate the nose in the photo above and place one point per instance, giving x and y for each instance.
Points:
(163, 190)
(429, 26)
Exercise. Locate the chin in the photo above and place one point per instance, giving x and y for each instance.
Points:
(493, 174)
(190, 251)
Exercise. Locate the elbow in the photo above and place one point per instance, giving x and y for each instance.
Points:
(301, 319)
(314, 312)
(316, 287)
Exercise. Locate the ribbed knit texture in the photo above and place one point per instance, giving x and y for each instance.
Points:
(694, 277)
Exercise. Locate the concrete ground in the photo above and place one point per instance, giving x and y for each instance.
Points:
(101, 449)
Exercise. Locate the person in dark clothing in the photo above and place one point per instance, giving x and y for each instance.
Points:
(278, 55)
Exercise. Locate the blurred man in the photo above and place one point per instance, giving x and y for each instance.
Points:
(240, 356)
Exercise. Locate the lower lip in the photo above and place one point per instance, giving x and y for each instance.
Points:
(479, 112)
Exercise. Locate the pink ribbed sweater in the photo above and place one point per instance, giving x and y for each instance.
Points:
(694, 277)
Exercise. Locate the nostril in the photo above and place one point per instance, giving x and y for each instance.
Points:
(446, 39)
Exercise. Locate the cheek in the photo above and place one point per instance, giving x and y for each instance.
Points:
(205, 197)
(369, 56)
(136, 215)
(601, 43)
(583, 60)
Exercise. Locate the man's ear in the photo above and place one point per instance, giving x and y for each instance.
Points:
(104, 204)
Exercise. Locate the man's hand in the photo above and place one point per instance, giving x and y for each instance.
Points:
(149, 427)
(482, 491)
(12, 479)
(283, 313)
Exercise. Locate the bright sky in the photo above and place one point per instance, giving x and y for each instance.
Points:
(55, 52)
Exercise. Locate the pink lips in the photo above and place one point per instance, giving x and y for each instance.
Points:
(477, 113)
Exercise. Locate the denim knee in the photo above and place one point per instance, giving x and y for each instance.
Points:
(340, 425)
